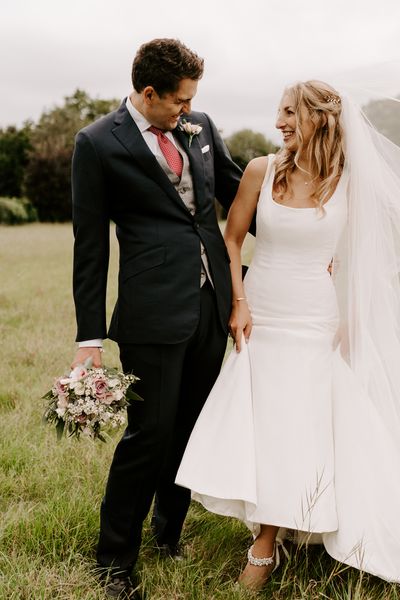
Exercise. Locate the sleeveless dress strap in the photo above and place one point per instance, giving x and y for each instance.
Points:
(269, 170)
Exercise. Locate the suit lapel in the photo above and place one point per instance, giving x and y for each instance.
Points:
(196, 163)
(128, 134)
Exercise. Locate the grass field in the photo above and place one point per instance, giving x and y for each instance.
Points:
(50, 492)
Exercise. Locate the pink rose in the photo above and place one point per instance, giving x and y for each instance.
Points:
(108, 398)
(100, 388)
(80, 418)
(61, 389)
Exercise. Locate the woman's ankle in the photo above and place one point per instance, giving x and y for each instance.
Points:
(263, 547)
(264, 544)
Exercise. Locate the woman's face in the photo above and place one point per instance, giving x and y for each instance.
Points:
(287, 122)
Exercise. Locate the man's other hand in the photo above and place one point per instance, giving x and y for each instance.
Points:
(84, 353)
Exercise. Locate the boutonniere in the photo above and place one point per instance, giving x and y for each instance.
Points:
(190, 129)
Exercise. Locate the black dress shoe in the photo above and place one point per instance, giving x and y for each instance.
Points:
(122, 587)
(174, 551)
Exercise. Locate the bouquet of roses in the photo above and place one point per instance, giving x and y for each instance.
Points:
(89, 401)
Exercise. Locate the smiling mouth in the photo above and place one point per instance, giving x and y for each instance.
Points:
(287, 135)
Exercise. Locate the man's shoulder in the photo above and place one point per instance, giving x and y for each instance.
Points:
(194, 115)
(205, 121)
(101, 125)
(197, 118)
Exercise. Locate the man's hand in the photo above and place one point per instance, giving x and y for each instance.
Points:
(84, 353)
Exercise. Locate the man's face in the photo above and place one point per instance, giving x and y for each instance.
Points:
(164, 111)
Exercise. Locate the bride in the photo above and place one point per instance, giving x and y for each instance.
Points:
(302, 428)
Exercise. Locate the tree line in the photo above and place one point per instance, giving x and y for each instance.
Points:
(35, 160)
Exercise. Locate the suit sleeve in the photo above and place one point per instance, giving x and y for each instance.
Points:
(91, 226)
(227, 173)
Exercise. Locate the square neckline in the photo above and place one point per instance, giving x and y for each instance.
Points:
(271, 175)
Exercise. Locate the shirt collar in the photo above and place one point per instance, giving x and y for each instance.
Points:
(137, 116)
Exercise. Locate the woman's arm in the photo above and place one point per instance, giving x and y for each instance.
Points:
(239, 218)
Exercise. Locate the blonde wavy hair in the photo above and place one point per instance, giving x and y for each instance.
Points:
(324, 151)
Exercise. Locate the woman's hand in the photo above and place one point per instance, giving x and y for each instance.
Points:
(341, 339)
(240, 323)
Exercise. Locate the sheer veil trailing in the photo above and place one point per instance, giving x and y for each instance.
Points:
(368, 261)
(366, 390)
(367, 405)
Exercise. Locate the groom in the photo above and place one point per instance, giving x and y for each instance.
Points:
(154, 168)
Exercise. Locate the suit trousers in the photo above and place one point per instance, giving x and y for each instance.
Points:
(175, 381)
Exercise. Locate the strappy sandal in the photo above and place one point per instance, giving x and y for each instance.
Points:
(268, 564)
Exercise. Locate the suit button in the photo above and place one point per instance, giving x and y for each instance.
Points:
(197, 225)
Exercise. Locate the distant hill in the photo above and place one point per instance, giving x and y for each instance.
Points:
(385, 116)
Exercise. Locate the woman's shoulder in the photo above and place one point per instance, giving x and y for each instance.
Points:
(258, 167)
(259, 164)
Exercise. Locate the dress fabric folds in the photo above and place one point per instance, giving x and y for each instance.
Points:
(287, 436)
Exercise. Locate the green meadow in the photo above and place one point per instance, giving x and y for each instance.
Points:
(50, 492)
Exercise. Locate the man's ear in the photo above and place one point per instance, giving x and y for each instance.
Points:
(148, 94)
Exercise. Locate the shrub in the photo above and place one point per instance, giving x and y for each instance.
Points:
(47, 184)
(14, 148)
(244, 145)
(14, 211)
(47, 181)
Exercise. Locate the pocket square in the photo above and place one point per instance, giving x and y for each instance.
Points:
(205, 149)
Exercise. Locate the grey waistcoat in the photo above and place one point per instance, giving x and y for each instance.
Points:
(184, 187)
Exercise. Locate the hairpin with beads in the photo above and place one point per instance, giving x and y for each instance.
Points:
(333, 99)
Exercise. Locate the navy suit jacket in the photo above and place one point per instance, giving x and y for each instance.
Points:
(116, 177)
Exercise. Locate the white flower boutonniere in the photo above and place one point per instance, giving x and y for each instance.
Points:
(190, 129)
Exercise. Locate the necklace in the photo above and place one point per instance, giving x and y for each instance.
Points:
(300, 175)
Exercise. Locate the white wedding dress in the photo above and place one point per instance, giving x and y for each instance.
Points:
(287, 437)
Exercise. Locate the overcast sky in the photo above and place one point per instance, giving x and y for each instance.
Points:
(252, 48)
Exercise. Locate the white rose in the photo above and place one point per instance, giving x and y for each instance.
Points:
(62, 402)
(113, 382)
(118, 395)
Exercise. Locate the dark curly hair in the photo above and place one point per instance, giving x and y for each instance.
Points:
(163, 63)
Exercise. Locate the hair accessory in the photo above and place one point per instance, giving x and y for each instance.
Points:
(333, 99)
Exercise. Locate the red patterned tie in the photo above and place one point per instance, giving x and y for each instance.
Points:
(170, 151)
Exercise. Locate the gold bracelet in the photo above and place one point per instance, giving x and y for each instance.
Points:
(237, 299)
